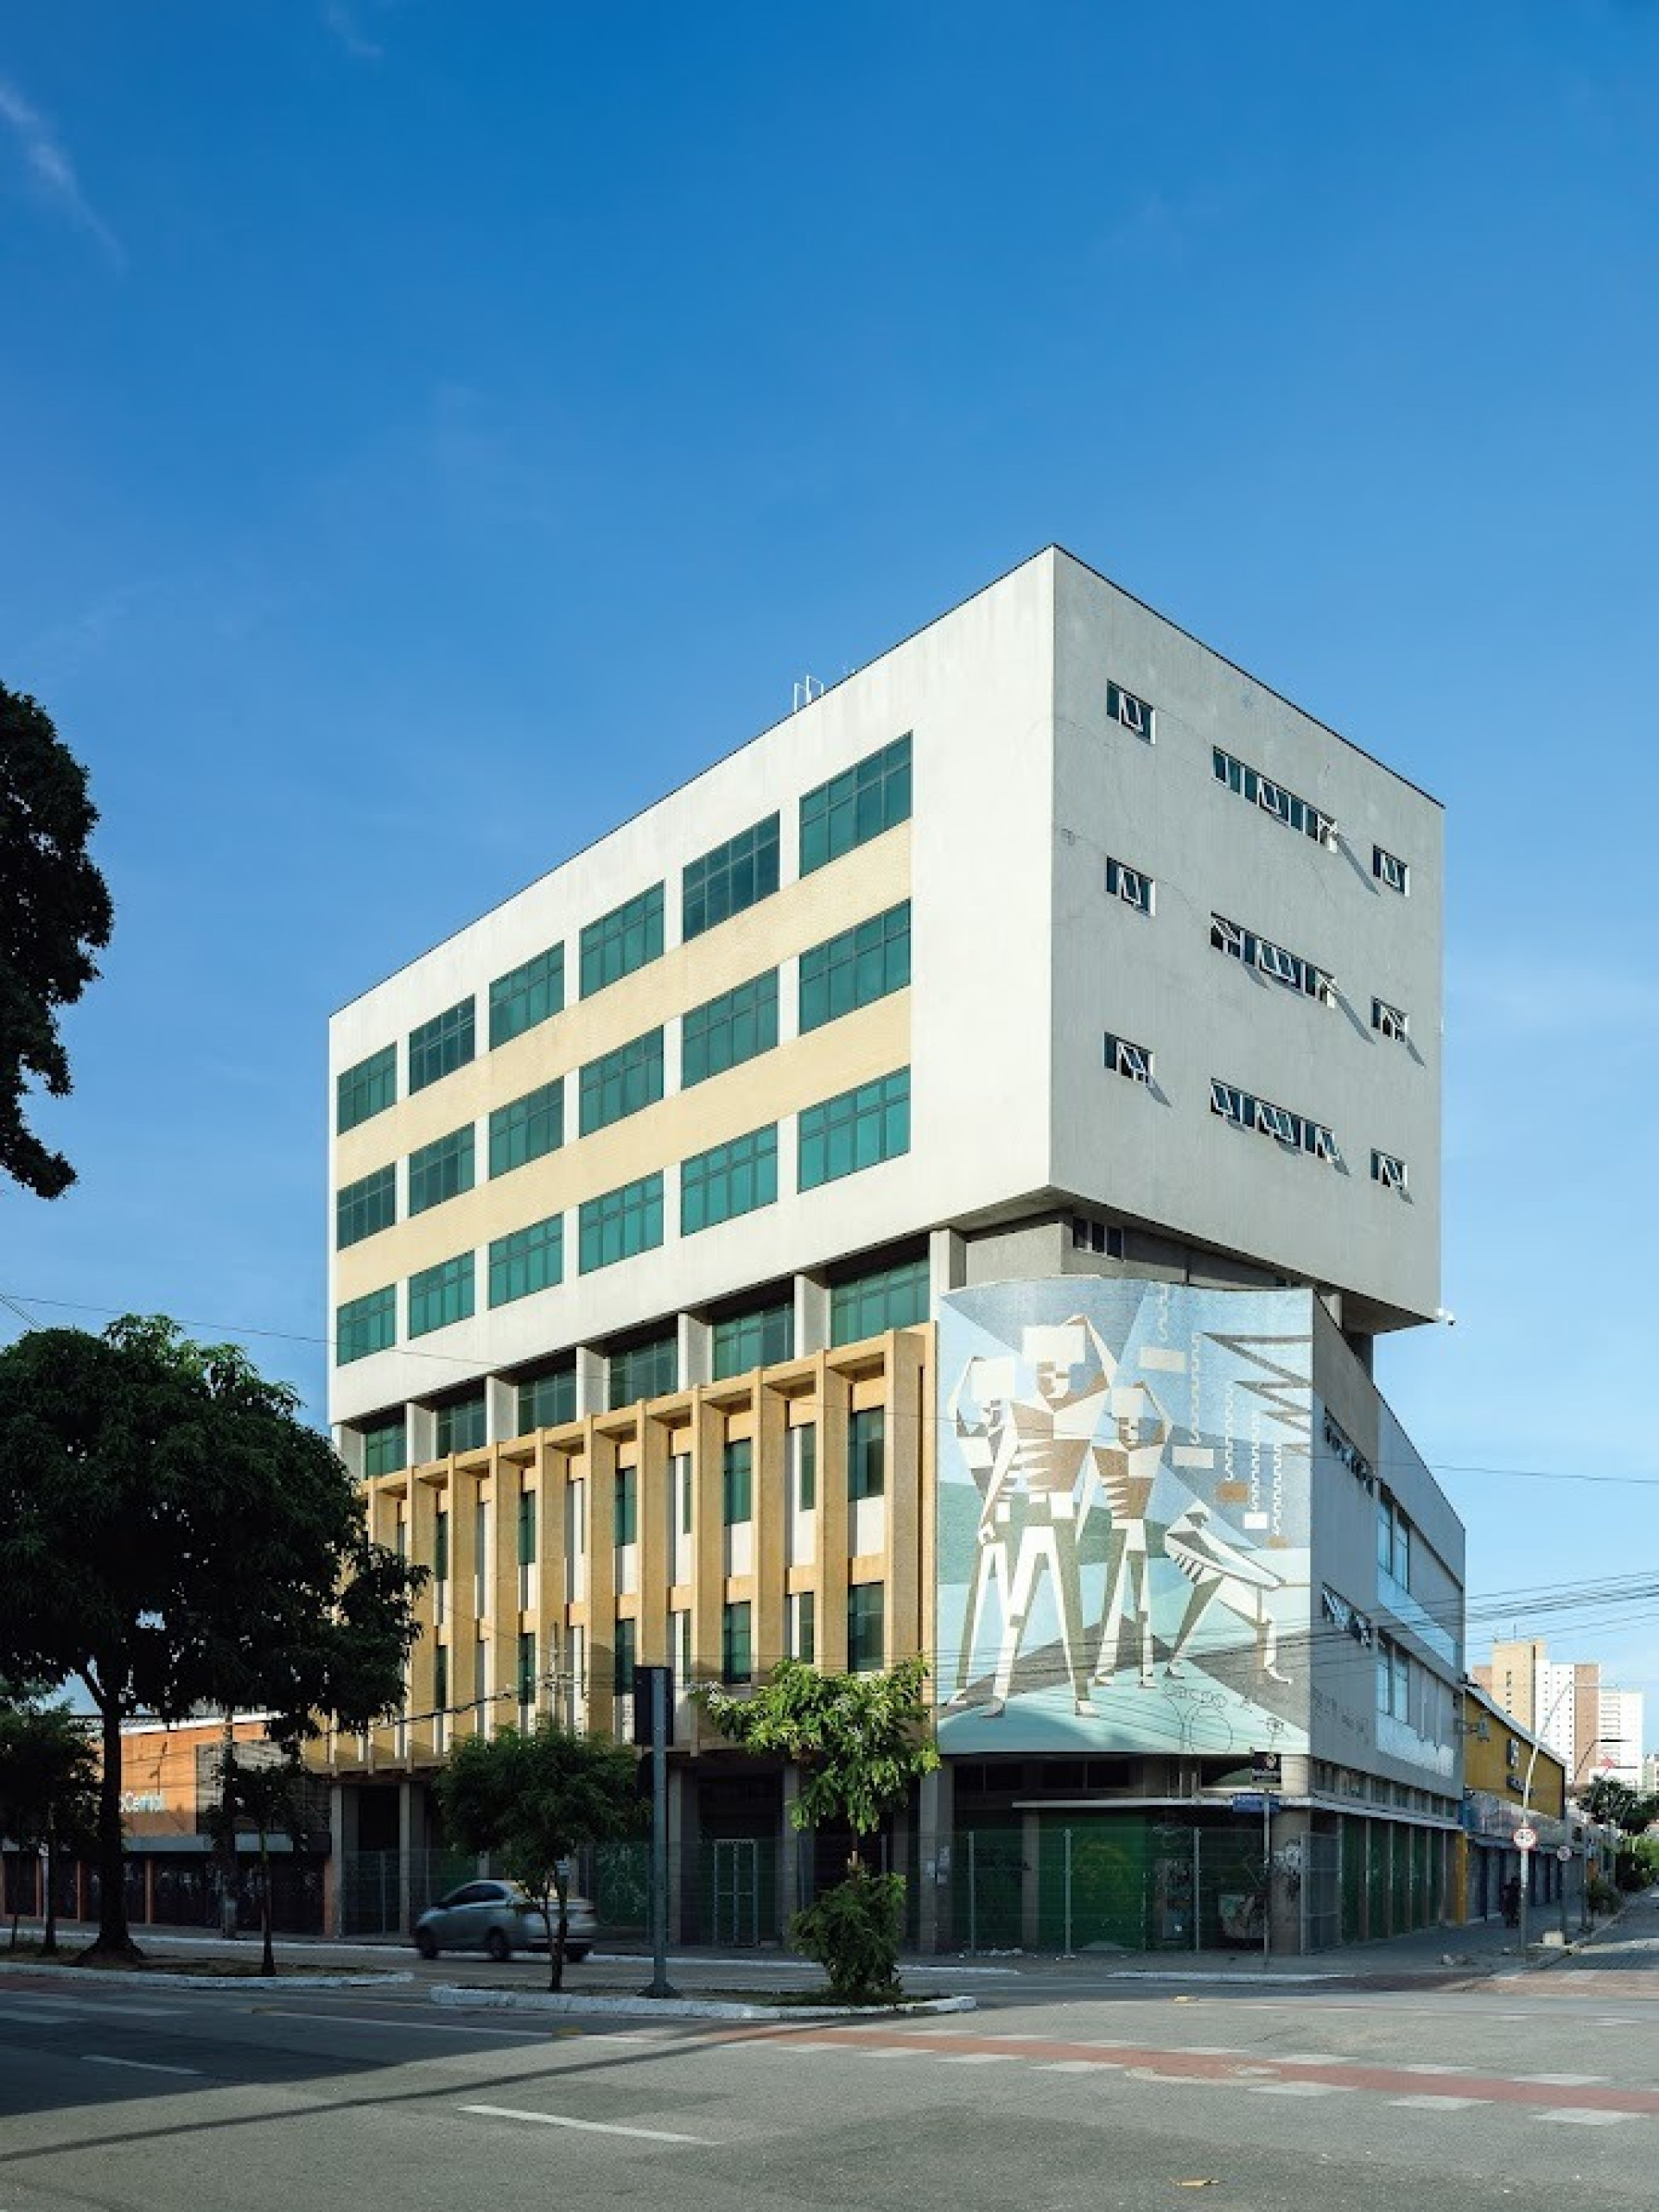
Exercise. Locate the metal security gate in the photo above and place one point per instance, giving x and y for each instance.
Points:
(734, 1898)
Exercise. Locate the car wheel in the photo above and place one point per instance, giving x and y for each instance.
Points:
(576, 1953)
(424, 1944)
(497, 1945)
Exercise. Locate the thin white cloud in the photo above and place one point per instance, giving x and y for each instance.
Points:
(342, 21)
(52, 171)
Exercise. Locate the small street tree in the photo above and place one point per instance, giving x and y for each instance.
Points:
(533, 1799)
(860, 1741)
(48, 1794)
(55, 915)
(271, 1796)
(172, 1534)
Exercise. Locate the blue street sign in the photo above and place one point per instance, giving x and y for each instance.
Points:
(1253, 1800)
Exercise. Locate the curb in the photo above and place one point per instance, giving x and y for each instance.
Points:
(453, 1995)
(159, 1978)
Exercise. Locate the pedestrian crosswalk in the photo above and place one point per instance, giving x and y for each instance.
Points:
(1559, 2099)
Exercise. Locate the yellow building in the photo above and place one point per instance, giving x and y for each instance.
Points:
(1511, 1779)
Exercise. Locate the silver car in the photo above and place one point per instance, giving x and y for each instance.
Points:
(498, 1917)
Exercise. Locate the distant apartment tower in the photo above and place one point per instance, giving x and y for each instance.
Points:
(1037, 1034)
(1595, 1729)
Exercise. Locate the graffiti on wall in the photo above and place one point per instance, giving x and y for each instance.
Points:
(1123, 1517)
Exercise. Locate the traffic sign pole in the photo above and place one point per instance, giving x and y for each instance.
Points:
(1525, 1841)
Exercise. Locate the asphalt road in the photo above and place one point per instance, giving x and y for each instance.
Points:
(1526, 2091)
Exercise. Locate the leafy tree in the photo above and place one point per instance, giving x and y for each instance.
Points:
(860, 1741)
(54, 916)
(1609, 1799)
(273, 1797)
(48, 1792)
(532, 1799)
(171, 1535)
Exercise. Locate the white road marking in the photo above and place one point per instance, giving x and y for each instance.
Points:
(1416, 2068)
(1586, 2116)
(425, 2027)
(585, 2126)
(138, 2065)
(1211, 2049)
(72, 2008)
(1561, 2080)
(1310, 2059)
(1078, 2066)
(1437, 2104)
(1299, 2089)
(975, 2057)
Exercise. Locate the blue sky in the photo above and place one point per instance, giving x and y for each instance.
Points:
(428, 431)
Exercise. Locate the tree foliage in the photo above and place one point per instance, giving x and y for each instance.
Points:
(48, 1790)
(533, 1799)
(54, 914)
(271, 1796)
(860, 1740)
(172, 1534)
(1609, 1799)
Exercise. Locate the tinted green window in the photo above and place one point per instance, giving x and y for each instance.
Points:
(528, 994)
(729, 1180)
(892, 1298)
(624, 1507)
(441, 1170)
(754, 1339)
(461, 1425)
(362, 1208)
(867, 1452)
(737, 1482)
(527, 1129)
(547, 1401)
(854, 807)
(854, 969)
(866, 1626)
(858, 1129)
(440, 1679)
(625, 938)
(365, 1324)
(806, 1626)
(736, 1643)
(622, 1222)
(440, 1045)
(526, 1528)
(440, 1548)
(626, 1644)
(620, 1083)
(806, 1464)
(526, 1261)
(439, 1295)
(725, 1032)
(527, 1667)
(647, 1370)
(736, 874)
(366, 1090)
(385, 1447)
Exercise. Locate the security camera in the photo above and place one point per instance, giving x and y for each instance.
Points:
(1443, 1313)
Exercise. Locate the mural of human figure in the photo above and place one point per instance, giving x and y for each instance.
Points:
(1046, 1487)
(1127, 1458)
(988, 1446)
(1216, 1570)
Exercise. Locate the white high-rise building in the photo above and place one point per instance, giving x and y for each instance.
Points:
(1618, 1752)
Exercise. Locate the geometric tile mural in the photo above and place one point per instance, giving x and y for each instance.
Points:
(1122, 1540)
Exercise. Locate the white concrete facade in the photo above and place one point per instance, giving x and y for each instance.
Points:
(1024, 785)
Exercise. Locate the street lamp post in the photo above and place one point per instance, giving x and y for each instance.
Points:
(1526, 1813)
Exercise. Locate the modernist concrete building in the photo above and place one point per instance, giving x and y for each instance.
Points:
(934, 1183)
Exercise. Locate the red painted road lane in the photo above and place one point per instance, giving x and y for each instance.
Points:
(1246, 2069)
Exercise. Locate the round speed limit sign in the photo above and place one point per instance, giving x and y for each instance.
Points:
(1564, 1851)
(1526, 1838)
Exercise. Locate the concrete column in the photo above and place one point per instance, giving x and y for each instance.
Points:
(811, 1315)
(500, 1410)
(934, 1861)
(789, 1852)
(695, 1350)
(590, 1381)
(947, 1261)
(423, 1435)
(405, 1857)
(348, 1442)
